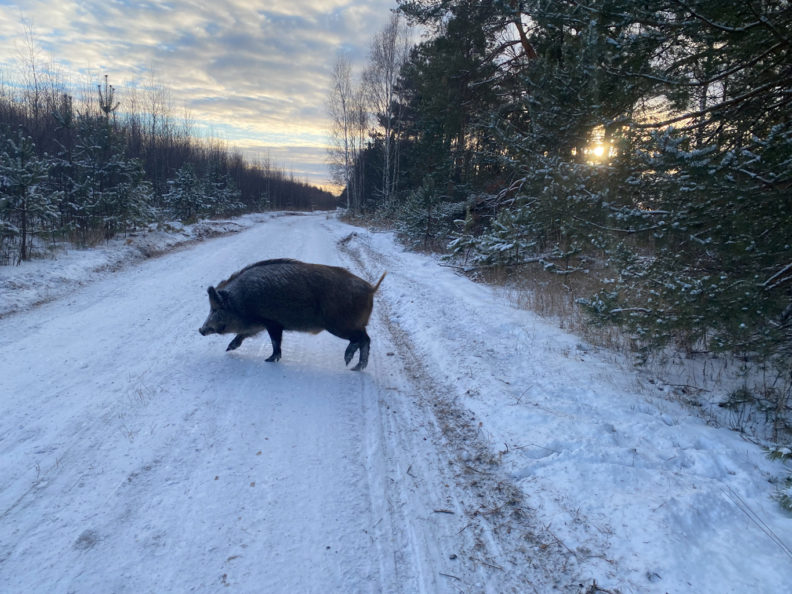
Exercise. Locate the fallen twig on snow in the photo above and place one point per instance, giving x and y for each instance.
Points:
(448, 575)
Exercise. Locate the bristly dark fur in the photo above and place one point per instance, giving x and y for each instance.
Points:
(249, 266)
(286, 294)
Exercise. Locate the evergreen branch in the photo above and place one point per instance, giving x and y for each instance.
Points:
(779, 283)
(781, 272)
(701, 83)
(719, 106)
(766, 22)
(719, 26)
(756, 176)
(618, 230)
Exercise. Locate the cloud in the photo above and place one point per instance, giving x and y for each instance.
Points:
(256, 72)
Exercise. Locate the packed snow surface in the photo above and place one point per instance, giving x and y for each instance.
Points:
(482, 450)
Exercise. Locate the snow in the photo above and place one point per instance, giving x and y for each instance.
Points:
(483, 450)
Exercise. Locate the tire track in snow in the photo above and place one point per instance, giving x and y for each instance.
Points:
(503, 549)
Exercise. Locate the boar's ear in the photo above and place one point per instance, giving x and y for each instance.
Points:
(217, 298)
(214, 298)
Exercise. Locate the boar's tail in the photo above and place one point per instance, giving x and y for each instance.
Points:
(379, 282)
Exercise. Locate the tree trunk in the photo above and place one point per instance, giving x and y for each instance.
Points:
(23, 228)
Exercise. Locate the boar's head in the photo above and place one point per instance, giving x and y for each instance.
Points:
(221, 318)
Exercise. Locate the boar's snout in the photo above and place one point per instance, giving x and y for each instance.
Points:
(212, 326)
(206, 330)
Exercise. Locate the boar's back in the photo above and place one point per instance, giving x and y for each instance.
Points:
(300, 296)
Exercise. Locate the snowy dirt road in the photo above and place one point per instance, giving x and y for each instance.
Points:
(482, 450)
(138, 456)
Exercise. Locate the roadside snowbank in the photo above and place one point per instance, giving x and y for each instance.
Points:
(643, 493)
(41, 280)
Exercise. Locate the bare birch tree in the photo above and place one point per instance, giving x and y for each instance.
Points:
(360, 137)
(339, 106)
(389, 51)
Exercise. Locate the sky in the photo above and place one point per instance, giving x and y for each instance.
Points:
(255, 74)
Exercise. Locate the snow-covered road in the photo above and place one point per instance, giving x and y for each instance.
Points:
(481, 450)
(138, 456)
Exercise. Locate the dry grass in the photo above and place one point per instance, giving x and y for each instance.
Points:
(555, 297)
(762, 407)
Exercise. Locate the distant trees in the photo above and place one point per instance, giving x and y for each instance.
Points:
(91, 169)
(339, 106)
(365, 116)
(349, 121)
(190, 197)
(389, 51)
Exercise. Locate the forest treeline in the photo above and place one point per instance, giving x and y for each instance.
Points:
(646, 146)
(85, 170)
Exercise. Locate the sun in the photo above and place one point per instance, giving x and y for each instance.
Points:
(598, 149)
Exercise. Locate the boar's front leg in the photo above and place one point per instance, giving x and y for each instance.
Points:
(275, 332)
(235, 344)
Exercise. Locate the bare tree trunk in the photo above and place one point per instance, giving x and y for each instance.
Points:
(23, 228)
(360, 123)
(389, 51)
(340, 109)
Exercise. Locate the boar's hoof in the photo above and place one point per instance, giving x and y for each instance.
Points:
(237, 342)
(273, 357)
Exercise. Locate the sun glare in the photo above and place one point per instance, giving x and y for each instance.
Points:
(598, 149)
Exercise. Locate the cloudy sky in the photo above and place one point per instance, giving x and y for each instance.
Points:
(254, 73)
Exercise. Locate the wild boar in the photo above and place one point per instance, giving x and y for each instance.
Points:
(278, 295)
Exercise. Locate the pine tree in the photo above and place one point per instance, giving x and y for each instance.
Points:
(26, 205)
(186, 197)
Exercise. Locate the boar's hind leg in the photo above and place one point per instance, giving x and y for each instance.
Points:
(358, 340)
(276, 335)
(235, 344)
